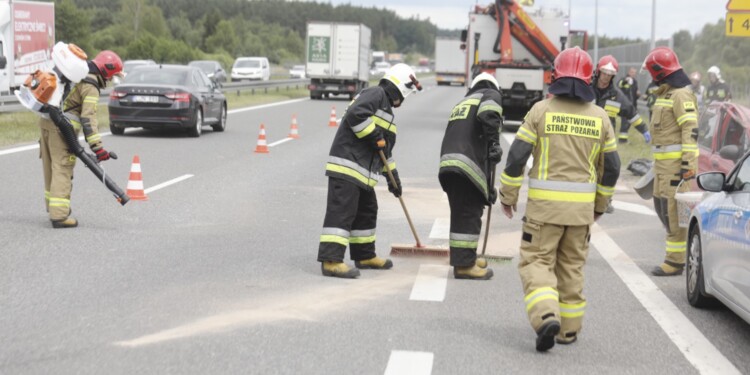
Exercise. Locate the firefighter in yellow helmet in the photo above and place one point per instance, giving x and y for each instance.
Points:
(674, 125)
(80, 107)
(576, 167)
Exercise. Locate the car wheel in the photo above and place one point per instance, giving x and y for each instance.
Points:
(222, 125)
(116, 130)
(197, 128)
(696, 290)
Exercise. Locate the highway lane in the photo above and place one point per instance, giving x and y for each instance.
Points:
(217, 273)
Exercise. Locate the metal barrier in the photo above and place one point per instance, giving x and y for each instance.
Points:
(9, 103)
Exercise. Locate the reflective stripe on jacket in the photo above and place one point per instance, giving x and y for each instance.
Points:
(674, 125)
(80, 107)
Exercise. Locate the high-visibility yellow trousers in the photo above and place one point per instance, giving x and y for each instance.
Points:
(665, 188)
(57, 164)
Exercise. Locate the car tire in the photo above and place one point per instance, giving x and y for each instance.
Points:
(116, 130)
(222, 125)
(197, 127)
(695, 284)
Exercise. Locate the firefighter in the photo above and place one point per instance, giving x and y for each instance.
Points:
(576, 167)
(614, 102)
(470, 151)
(675, 127)
(698, 89)
(718, 90)
(629, 86)
(80, 107)
(353, 168)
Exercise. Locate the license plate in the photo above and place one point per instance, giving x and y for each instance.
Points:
(145, 99)
(332, 88)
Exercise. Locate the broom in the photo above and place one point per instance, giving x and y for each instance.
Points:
(419, 248)
(490, 258)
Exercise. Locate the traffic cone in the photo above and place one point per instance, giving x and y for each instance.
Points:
(135, 182)
(262, 147)
(332, 122)
(294, 131)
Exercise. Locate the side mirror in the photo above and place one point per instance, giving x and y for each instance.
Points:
(711, 181)
(3, 62)
(464, 34)
(730, 152)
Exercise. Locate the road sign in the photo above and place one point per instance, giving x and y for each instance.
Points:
(738, 5)
(738, 24)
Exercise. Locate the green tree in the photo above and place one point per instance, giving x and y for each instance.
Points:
(224, 38)
(72, 25)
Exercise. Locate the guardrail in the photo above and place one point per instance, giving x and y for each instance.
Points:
(9, 103)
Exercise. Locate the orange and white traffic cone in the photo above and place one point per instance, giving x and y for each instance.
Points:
(135, 182)
(332, 122)
(293, 130)
(262, 147)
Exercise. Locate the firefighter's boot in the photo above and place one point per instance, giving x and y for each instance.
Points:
(545, 336)
(481, 263)
(566, 339)
(375, 263)
(668, 269)
(338, 269)
(67, 223)
(472, 273)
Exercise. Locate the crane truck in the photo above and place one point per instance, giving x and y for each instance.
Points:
(517, 48)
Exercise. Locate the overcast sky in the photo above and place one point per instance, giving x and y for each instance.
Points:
(626, 18)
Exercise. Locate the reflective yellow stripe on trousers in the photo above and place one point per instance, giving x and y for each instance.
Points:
(667, 152)
(541, 294)
(572, 310)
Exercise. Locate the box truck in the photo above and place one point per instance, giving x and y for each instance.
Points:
(450, 62)
(27, 35)
(338, 58)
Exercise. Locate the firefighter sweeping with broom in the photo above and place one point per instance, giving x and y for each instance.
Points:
(470, 151)
(354, 165)
(575, 169)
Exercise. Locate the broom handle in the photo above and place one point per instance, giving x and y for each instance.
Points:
(400, 199)
(489, 213)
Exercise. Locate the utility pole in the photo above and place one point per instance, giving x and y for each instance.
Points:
(596, 31)
(653, 24)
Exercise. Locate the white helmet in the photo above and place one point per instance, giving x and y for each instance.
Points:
(715, 71)
(71, 61)
(485, 77)
(404, 78)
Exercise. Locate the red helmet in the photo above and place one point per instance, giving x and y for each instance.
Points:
(661, 62)
(109, 64)
(608, 64)
(574, 63)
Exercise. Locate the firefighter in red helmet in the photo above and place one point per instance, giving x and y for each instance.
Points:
(576, 167)
(79, 106)
(674, 125)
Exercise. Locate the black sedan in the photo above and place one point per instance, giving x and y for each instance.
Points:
(167, 96)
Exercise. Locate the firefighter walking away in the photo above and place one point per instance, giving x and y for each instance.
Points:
(469, 154)
(353, 168)
(576, 167)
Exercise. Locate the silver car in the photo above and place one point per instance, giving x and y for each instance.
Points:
(718, 265)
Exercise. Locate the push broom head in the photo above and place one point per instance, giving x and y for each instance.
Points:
(409, 250)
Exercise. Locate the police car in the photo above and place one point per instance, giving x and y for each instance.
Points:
(718, 264)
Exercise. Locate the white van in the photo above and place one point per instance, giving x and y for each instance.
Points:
(252, 68)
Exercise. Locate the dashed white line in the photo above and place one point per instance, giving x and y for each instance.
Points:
(266, 105)
(689, 340)
(165, 184)
(441, 229)
(431, 283)
(404, 362)
(280, 142)
(632, 207)
(36, 146)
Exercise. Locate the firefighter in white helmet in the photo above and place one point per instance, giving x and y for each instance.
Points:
(469, 154)
(353, 169)
(614, 101)
(718, 90)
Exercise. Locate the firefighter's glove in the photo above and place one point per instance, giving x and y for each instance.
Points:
(647, 136)
(495, 154)
(378, 141)
(102, 154)
(492, 195)
(687, 174)
(395, 190)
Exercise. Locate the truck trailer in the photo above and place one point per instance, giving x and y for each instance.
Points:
(338, 58)
(27, 35)
(450, 62)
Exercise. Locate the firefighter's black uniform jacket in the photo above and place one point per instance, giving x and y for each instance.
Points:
(475, 123)
(353, 169)
(718, 92)
(615, 103)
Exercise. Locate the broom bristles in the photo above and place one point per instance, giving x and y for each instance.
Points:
(402, 249)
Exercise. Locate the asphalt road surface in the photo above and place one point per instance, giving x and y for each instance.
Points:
(216, 272)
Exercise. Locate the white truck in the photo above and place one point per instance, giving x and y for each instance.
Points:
(27, 35)
(450, 62)
(338, 58)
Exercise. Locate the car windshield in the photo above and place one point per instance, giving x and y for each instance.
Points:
(247, 64)
(128, 66)
(158, 76)
(205, 66)
(298, 67)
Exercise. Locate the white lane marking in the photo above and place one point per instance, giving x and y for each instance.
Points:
(266, 105)
(694, 346)
(633, 207)
(432, 280)
(622, 189)
(36, 146)
(441, 228)
(165, 184)
(280, 142)
(404, 362)
(510, 137)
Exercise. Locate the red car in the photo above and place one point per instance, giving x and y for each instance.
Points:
(723, 136)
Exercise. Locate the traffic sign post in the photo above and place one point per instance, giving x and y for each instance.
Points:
(738, 18)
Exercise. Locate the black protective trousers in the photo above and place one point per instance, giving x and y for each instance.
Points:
(351, 215)
(467, 205)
